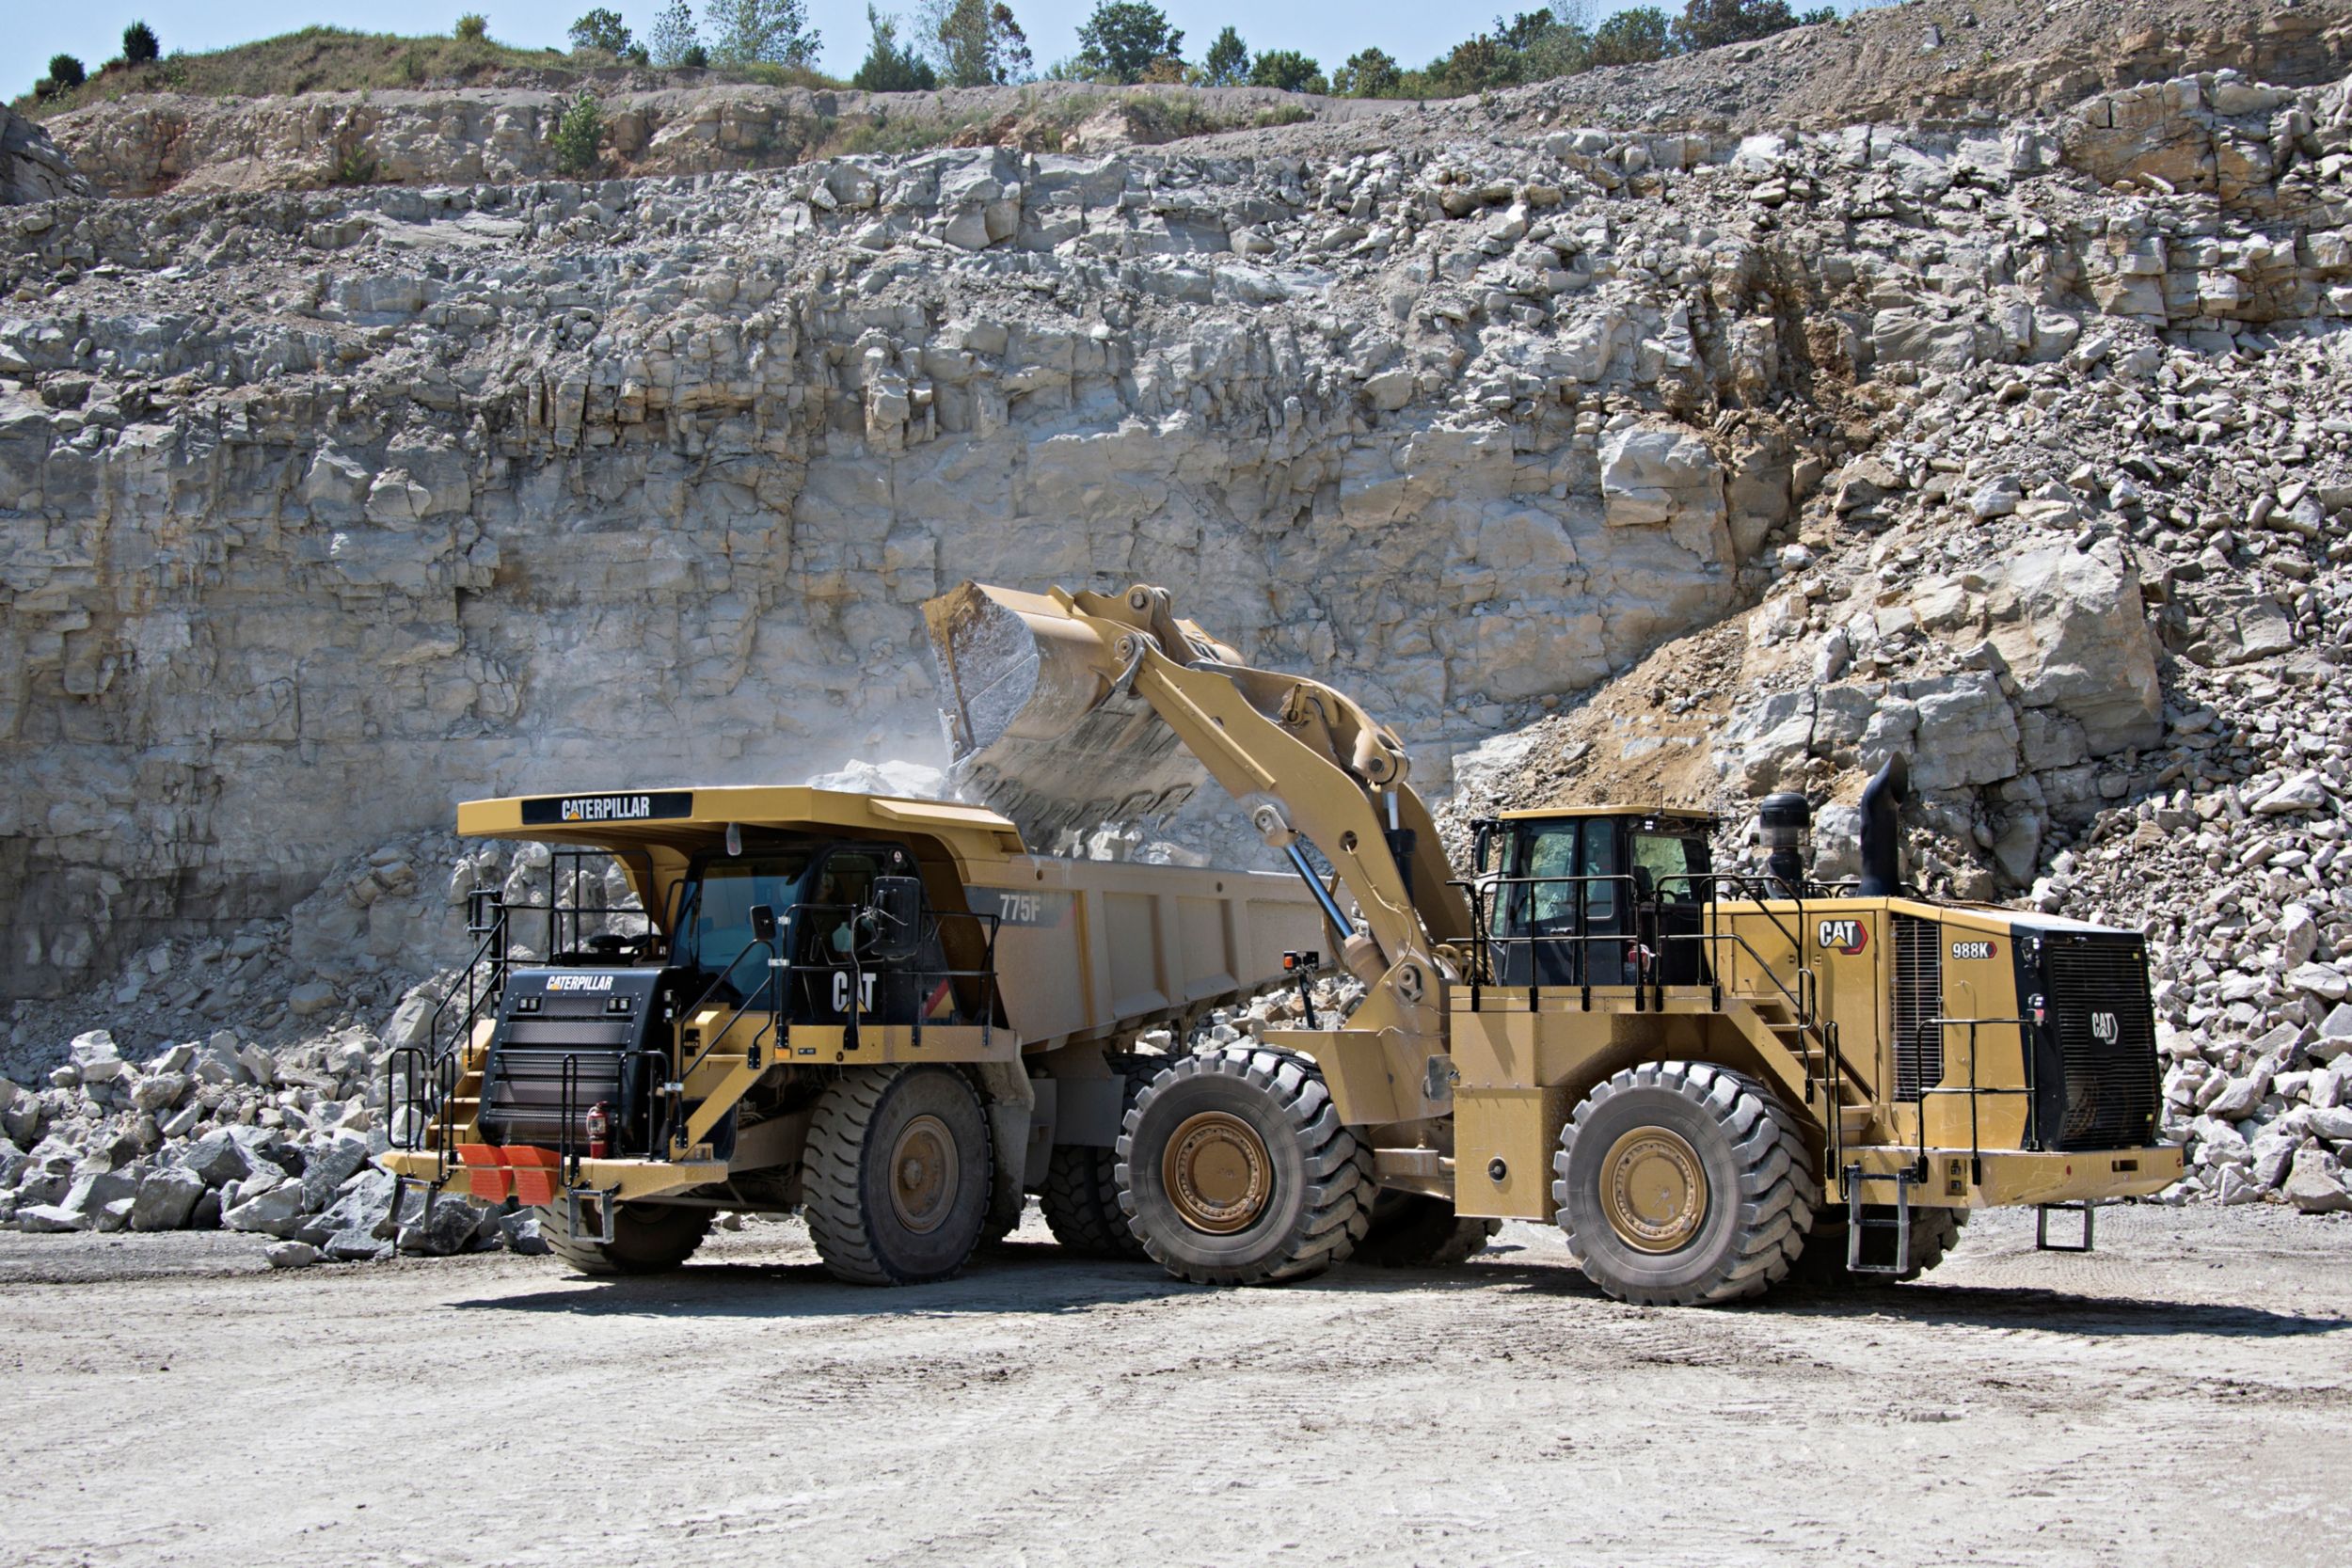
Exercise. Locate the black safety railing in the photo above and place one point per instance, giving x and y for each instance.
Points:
(1634, 908)
(1973, 1088)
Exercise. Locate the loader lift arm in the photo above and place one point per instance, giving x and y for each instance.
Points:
(1303, 759)
(1049, 692)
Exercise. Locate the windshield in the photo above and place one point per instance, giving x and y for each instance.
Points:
(1678, 866)
(719, 905)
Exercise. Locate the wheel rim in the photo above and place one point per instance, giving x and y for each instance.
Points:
(1217, 1173)
(1653, 1189)
(925, 1174)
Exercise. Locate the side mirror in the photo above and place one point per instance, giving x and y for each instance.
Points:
(764, 922)
(893, 909)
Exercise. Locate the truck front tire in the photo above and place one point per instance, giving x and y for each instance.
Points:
(899, 1173)
(647, 1238)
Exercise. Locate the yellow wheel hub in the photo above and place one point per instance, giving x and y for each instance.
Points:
(1217, 1173)
(925, 1174)
(1653, 1189)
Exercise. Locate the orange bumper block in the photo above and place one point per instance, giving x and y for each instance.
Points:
(494, 1172)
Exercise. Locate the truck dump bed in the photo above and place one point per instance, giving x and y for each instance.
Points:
(1084, 949)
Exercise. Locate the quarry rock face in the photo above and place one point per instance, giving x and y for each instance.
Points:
(1752, 451)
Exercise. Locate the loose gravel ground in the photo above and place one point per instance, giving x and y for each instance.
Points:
(2182, 1395)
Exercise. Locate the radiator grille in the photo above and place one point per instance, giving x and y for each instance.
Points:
(2106, 1027)
(525, 1102)
(1918, 1000)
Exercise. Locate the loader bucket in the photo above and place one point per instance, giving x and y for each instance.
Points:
(1035, 727)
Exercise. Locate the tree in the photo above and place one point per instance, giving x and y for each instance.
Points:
(1476, 64)
(1124, 38)
(1288, 70)
(65, 75)
(746, 32)
(1710, 24)
(976, 44)
(473, 27)
(140, 45)
(603, 29)
(1368, 73)
(1227, 63)
(891, 67)
(1632, 38)
(576, 135)
(674, 38)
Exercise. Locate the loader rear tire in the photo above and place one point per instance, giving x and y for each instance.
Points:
(647, 1238)
(1683, 1183)
(1235, 1169)
(1933, 1234)
(898, 1175)
(1081, 1194)
(1410, 1230)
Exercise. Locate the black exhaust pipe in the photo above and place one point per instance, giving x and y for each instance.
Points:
(1882, 833)
(1786, 822)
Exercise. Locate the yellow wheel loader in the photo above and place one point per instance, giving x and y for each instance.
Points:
(1708, 1079)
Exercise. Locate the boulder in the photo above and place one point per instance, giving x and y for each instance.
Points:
(167, 1199)
(448, 1228)
(291, 1255)
(2317, 1183)
(275, 1213)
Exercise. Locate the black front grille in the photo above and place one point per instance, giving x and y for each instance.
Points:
(2104, 1025)
(526, 1094)
(1918, 1001)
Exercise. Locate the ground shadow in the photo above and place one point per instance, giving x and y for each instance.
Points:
(2051, 1311)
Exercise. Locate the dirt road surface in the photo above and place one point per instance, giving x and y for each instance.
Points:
(2182, 1396)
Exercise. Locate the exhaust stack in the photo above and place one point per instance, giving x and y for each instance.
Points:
(1882, 833)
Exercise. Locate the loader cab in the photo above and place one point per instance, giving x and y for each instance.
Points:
(1595, 896)
(850, 930)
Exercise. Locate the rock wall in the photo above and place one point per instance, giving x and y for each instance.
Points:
(326, 508)
(31, 168)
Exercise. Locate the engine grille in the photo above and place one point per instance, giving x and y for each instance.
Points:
(1918, 1000)
(2106, 1027)
(525, 1093)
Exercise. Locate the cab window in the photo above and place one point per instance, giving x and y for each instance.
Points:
(1677, 865)
(719, 912)
(1552, 859)
(840, 891)
(1600, 859)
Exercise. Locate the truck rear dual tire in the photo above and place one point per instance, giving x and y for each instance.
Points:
(647, 1238)
(1235, 1169)
(898, 1175)
(1081, 1192)
(1683, 1183)
(1411, 1230)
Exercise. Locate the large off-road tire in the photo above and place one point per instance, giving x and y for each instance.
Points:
(1410, 1230)
(647, 1238)
(1933, 1234)
(898, 1176)
(1081, 1194)
(1234, 1169)
(1682, 1183)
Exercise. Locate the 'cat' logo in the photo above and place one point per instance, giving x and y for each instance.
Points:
(1845, 936)
(2104, 1028)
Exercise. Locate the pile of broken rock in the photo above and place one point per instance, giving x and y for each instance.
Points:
(223, 1136)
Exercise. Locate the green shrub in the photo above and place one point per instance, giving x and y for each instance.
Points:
(64, 74)
(576, 135)
(139, 45)
(473, 27)
(353, 165)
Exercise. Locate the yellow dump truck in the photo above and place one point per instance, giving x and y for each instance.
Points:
(884, 1012)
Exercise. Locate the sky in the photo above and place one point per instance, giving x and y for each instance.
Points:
(1330, 30)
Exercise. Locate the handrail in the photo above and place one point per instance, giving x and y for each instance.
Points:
(2026, 1068)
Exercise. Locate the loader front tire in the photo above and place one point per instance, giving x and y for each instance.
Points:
(1410, 1230)
(1683, 1183)
(647, 1238)
(1235, 1169)
(899, 1174)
